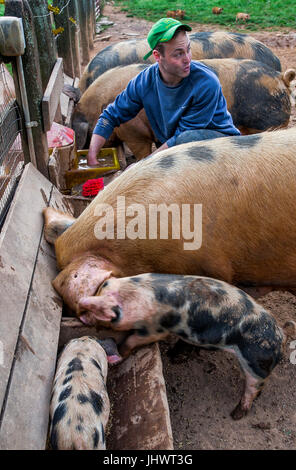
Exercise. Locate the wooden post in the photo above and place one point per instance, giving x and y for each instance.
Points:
(31, 65)
(74, 33)
(90, 8)
(46, 45)
(83, 25)
(93, 13)
(64, 43)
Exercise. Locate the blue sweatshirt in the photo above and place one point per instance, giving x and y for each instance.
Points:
(197, 102)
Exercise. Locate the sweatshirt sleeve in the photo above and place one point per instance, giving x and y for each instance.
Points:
(125, 107)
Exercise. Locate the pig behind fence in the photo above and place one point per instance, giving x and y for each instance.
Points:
(201, 311)
(80, 406)
(257, 97)
(204, 45)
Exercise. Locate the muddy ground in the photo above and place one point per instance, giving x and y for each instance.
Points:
(204, 386)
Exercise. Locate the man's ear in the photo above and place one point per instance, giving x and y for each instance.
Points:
(156, 55)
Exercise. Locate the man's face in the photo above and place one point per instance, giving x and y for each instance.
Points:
(174, 65)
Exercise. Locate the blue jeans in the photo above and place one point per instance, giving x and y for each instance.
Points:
(198, 134)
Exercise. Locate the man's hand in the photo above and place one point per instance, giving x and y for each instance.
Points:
(162, 147)
(96, 143)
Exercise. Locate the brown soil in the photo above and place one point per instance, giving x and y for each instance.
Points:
(204, 386)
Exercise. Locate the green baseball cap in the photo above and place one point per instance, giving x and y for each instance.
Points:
(162, 31)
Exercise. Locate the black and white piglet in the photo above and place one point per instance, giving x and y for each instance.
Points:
(80, 407)
(200, 310)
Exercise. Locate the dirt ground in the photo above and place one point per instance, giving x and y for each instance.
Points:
(204, 386)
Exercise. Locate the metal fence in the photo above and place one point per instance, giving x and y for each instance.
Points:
(98, 7)
(11, 154)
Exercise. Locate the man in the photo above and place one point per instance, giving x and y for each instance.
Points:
(183, 100)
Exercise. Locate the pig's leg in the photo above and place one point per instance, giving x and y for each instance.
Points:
(135, 340)
(253, 388)
(56, 223)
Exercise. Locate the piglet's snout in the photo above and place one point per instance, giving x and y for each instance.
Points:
(98, 308)
(110, 348)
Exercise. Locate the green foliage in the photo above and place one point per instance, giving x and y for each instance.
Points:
(263, 13)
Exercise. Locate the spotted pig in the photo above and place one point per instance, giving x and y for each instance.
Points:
(204, 45)
(200, 310)
(80, 407)
(257, 97)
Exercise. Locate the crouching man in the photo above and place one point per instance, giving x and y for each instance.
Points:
(183, 100)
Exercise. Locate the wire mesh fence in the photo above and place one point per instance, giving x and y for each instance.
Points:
(11, 154)
(98, 7)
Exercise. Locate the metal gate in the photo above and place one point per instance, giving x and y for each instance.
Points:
(11, 154)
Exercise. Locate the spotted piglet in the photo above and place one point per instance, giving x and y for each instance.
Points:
(200, 310)
(79, 408)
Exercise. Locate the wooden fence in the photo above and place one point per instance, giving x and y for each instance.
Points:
(58, 39)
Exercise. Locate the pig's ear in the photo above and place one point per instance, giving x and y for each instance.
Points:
(79, 279)
(72, 93)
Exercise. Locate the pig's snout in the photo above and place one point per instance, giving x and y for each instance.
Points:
(96, 308)
(118, 312)
(110, 348)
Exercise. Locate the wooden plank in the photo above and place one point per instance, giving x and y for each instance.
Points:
(74, 37)
(64, 100)
(51, 98)
(45, 40)
(140, 412)
(84, 33)
(63, 39)
(19, 244)
(28, 395)
(27, 403)
(71, 105)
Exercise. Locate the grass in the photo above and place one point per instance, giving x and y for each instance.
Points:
(272, 14)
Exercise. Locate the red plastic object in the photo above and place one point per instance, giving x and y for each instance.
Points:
(59, 136)
(92, 187)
